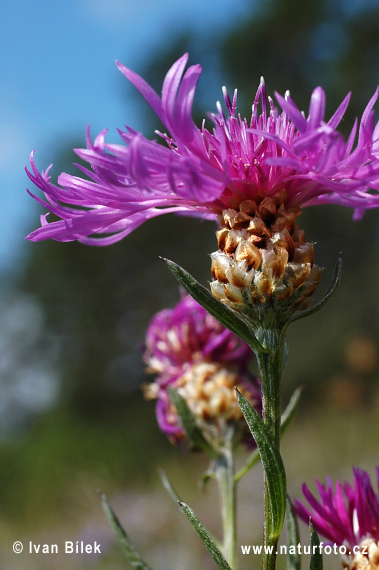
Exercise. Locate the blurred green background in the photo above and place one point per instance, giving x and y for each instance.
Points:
(72, 416)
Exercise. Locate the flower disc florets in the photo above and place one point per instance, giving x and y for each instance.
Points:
(195, 355)
(347, 517)
(202, 173)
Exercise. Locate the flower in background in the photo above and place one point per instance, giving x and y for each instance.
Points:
(195, 355)
(347, 516)
(266, 168)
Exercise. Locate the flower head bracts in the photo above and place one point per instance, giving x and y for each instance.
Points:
(201, 172)
(346, 515)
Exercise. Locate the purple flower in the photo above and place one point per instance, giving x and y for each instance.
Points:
(180, 337)
(198, 172)
(194, 354)
(346, 515)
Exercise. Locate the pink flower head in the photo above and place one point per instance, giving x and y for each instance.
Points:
(180, 337)
(345, 515)
(194, 354)
(198, 172)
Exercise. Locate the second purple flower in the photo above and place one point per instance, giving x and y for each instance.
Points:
(204, 362)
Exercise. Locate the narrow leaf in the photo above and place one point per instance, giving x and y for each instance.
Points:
(175, 497)
(316, 556)
(128, 549)
(190, 426)
(289, 412)
(294, 559)
(226, 316)
(205, 538)
(169, 488)
(332, 289)
(252, 460)
(287, 418)
(272, 463)
(206, 477)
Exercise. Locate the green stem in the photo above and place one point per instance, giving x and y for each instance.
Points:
(224, 469)
(271, 370)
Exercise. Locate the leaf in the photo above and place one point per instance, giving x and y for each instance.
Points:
(287, 417)
(332, 289)
(190, 426)
(289, 412)
(316, 556)
(175, 497)
(207, 476)
(226, 316)
(205, 538)
(272, 463)
(169, 488)
(294, 559)
(252, 460)
(128, 549)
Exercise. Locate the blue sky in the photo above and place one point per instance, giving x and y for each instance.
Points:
(58, 75)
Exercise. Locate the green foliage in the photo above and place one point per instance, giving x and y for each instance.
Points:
(294, 559)
(205, 538)
(316, 556)
(272, 463)
(194, 434)
(286, 419)
(127, 547)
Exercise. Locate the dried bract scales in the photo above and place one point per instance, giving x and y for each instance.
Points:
(262, 255)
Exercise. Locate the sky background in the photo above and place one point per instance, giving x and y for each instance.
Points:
(58, 74)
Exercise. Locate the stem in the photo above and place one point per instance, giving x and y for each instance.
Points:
(271, 370)
(224, 469)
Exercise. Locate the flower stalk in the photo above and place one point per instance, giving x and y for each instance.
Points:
(270, 365)
(224, 471)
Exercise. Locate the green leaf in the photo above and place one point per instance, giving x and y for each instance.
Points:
(175, 497)
(252, 460)
(128, 549)
(205, 538)
(294, 559)
(332, 289)
(207, 476)
(287, 417)
(190, 426)
(169, 488)
(226, 316)
(289, 412)
(272, 463)
(316, 556)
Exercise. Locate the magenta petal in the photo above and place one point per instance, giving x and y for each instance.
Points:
(151, 97)
(197, 172)
(337, 513)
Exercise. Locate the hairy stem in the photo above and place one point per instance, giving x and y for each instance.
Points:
(271, 371)
(224, 469)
